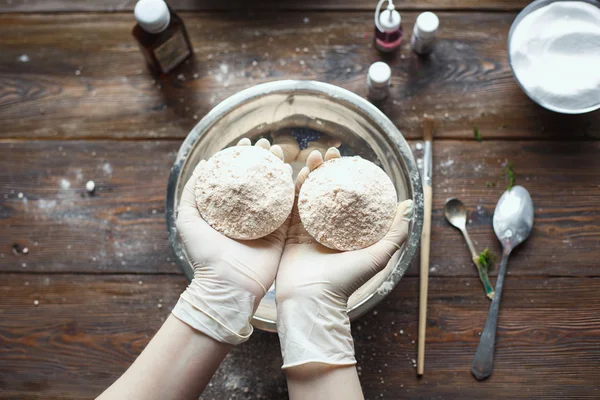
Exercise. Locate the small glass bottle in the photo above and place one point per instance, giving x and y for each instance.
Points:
(424, 33)
(388, 32)
(161, 34)
(378, 81)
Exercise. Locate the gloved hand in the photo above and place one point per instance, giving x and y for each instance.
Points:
(230, 276)
(314, 284)
(291, 149)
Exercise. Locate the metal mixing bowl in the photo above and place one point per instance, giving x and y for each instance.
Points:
(322, 107)
(525, 12)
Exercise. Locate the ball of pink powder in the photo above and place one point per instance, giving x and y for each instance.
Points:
(347, 203)
(245, 192)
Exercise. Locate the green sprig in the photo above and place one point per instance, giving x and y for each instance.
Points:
(510, 174)
(487, 259)
(477, 134)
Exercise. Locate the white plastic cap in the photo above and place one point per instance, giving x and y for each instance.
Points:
(389, 20)
(152, 15)
(379, 74)
(426, 25)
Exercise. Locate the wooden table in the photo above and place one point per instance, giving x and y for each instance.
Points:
(101, 271)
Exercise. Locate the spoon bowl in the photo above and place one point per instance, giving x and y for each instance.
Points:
(513, 217)
(456, 213)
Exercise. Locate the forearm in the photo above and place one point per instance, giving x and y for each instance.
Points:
(178, 363)
(317, 381)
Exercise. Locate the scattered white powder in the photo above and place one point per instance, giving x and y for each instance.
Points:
(555, 53)
(347, 203)
(245, 192)
(447, 163)
(65, 184)
(24, 58)
(107, 168)
(46, 204)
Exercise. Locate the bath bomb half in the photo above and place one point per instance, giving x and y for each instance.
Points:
(245, 192)
(347, 203)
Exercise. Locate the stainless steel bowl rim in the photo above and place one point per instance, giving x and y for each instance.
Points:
(524, 12)
(332, 91)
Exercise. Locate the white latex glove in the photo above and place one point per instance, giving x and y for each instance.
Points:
(314, 284)
(230, 276)
(288, 144)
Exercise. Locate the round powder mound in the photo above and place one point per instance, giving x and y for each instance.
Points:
(245, 192)
(347, 203)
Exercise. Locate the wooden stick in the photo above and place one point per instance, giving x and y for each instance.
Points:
(428, 127)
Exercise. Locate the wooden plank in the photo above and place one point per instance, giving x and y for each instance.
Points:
(86, 77)
(86, 330)
(122, 228)
(31, 6)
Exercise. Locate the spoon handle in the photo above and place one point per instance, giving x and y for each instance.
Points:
(484, 356)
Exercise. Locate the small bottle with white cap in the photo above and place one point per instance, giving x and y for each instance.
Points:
(378, 81)
(424, 33)
(388, 32)
(161, 34)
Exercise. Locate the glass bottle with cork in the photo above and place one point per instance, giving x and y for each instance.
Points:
(161, 35)
(388, 32)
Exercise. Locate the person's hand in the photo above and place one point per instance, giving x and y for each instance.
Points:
(230, 276)
(314, 283)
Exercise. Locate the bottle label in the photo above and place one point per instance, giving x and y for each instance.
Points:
(172, 52)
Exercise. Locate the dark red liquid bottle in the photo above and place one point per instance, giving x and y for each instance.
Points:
(161, 35)
(388, 32)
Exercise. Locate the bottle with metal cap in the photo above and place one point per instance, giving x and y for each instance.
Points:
(424, 33)
(388, 32)
(378, 81)
(161, 35)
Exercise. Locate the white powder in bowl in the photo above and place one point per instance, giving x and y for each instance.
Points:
(555, 54)
(347, 203)
(245, 192)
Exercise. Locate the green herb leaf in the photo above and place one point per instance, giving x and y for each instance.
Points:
(510, 174)
(487, 259)
(489, 184)
(477, 134)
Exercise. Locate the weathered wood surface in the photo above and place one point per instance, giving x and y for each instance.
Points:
(87, 330)
(32, 6)
(86, 78)
(121, 229)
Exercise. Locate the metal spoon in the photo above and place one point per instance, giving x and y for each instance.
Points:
(456, 214)
(513, 220)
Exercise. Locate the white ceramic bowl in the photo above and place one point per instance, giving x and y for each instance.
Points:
(535, 5)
